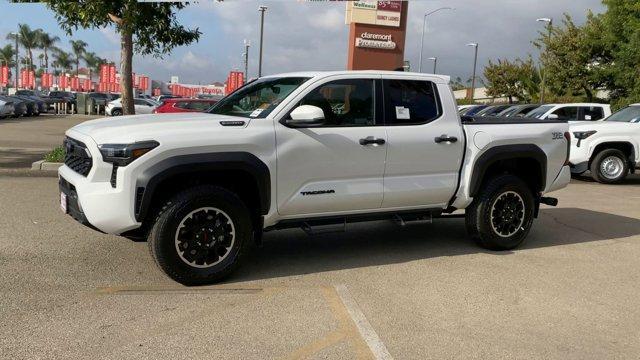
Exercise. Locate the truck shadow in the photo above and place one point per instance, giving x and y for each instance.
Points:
(292, 252)
(632, 179)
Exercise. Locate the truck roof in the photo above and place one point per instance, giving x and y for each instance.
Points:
(321, 74)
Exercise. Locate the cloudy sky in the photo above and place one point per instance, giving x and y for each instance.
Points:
(312, 35)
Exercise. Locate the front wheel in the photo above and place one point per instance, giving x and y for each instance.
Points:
(116, 112)
(201, 235)
(609, 166)
(501, 215)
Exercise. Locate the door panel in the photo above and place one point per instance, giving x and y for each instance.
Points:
(326, 168)
(420, 171)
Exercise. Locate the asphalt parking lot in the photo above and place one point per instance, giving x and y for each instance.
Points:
(420, 292)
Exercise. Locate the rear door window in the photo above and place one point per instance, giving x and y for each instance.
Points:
(567, 113)
(592, 113)
(410, 102)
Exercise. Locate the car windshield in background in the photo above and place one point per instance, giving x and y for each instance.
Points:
(539, 112)
(629, 114)
(259, 98)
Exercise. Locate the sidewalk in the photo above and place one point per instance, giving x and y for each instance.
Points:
(25, 140)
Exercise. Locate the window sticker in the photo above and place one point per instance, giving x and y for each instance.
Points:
(256, 112)
(402, 113)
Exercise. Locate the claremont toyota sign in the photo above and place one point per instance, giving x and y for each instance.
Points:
(385, 13)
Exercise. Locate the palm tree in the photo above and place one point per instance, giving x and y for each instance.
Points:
(62, 60)
(8, 56)
(47, 42)
(78, 47)
(27, 38)
(93, 62)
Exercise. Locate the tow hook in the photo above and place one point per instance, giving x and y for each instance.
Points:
(549, 201)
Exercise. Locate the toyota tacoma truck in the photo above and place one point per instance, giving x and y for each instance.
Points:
(310, 150)
(609, 149)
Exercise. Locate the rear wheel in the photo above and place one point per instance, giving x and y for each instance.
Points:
(609, 166)
(201, 235)
(116, 112)
(501, 215)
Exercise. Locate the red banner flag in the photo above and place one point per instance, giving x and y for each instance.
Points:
(4, 75)
(104, 73)
(64, 81)
(86, 84)
(112, 74)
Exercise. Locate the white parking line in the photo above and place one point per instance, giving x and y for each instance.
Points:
(367, 332)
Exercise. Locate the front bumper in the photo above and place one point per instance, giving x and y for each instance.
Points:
(73, 204)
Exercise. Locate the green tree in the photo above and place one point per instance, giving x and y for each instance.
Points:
(574, 57)
(93, 62)
(47, 42)
(78, 47)
(621, 31)
(512, 79)
(8, 56)
(27, 38)
(154, 27)
(62, 60)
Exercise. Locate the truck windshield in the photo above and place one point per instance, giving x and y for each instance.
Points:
(259, 98)
(628, 114)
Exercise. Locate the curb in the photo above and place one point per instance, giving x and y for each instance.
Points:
(27, 173)
(45, 166)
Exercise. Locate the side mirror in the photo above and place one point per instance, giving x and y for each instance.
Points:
(306, 116)
(553, 117)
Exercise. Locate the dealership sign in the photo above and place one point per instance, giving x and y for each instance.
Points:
(384, 13)
(375, 41)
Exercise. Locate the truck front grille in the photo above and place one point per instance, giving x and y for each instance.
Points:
(76, 156)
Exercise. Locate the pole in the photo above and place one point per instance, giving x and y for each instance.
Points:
(473, 79)
(435, 65)
(262, 9)
(424, 24)
(246, 61)
(544, 71)
(17, 64)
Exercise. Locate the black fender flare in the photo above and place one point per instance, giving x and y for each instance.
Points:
(506, 152)
(150, 178)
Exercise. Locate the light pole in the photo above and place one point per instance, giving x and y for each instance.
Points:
(475, 63)
(246, 60)
(435, 63)
(262, 9)
(424, 25)
(549, 22)
(15, 76)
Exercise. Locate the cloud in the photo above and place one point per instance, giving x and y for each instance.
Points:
(111, 35)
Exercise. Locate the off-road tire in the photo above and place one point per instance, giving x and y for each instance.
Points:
(597, 164)
(162, 238)
(481, 223)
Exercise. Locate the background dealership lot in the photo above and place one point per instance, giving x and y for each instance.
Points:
(570, 292)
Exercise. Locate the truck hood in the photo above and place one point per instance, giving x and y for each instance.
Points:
(127, 129)
(612, 126)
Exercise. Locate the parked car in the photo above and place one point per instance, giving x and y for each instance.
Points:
(184, 105)
(41, 104)
(472, 110)
(32, 106)
(610, 149)
(492, 110)
(571, 112)
(101, 99)
(6, 107)
(202, 186)
(19, 105)
(142, 106)
(161, 98)
(518, 110)
(65, 97)
(463, 107)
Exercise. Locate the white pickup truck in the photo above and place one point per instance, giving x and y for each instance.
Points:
(308, 150)
(610, 149)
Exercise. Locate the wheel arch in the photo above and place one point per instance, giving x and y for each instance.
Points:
(239, 170)
(525, 160)
(628, 148)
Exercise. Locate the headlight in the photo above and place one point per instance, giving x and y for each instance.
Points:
(125, 154)
(581, 135)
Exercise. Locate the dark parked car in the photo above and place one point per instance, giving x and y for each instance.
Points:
(473, 110)
(63, 96)
(32, 106)
(39, 95)
(101, 98)
(492, 110)
(19, 105)
(518, 110)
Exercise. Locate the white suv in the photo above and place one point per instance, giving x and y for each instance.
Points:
(571, 112)
(142, 106)
(610, 149)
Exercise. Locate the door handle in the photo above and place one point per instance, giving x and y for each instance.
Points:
(370, 140)
(445, 138)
